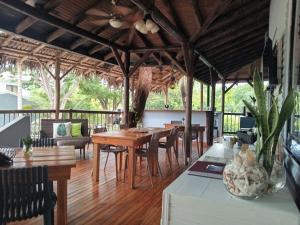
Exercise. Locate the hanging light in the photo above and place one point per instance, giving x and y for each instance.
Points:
(115, 23)
(141, 26)
(151, 26)
(172, 83)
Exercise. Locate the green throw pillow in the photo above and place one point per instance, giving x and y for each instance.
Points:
(76, 130)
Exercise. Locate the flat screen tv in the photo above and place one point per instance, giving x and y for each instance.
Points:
(246, 122)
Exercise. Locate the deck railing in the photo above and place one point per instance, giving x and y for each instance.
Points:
(109, 119)
(232, 122)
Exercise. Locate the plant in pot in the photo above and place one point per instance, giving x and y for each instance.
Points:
(27, 145)
(269, 121)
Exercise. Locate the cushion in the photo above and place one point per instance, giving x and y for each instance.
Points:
(61, 130)
(76, 130)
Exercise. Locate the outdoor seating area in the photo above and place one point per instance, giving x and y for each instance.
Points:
(149, 112)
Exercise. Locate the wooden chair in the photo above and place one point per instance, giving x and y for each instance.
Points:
(26, 193)
(40, 142)
(148, 153)
(111, 149)
(169, 144)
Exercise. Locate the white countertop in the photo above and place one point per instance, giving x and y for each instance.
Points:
(200, 200)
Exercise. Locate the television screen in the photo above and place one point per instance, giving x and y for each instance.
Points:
(247, 122)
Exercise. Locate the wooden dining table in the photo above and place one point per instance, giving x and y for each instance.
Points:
(60, 160)
(130, 138)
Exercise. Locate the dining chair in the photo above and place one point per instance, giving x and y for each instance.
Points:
(195, 137)
(40, 142)
(116, 150)
(26, 193)
(148, 154)
(169, 145)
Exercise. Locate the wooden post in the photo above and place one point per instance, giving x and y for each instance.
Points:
(223, 104)
(19, 82)
(201, 96)
(57, 86)
(208, 96)
(126, 88)
(213, 97)
(189, 63)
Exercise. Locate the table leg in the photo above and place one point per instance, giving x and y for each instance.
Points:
(62, 189)
(154, 163)
(201, 142)
(96, 162)
(177, 140)
(131, 166)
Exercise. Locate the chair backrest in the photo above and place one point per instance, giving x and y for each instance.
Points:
(99, 130)
(176, 122)
(40, 142)
(47, 126)
(24, 193)
(153, 144)
(171, 138)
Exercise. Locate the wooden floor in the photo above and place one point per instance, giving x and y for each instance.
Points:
(111, 202)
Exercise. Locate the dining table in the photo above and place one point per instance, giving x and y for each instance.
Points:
(60, 160)
(131, 138)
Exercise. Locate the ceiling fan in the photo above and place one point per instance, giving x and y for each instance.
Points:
(122, 17)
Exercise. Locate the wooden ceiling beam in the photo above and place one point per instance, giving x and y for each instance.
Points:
(7, 40)
(75, 21)
(175, 16)
(233, 45)
(197, 12)
(247, 9)
(29, 21)
(113, 38)
(241, 25)
(241, 47)
(81, 41)
(148, 44)
(211, 18)
(139, 63)
(175, 62)
(42, 15)
(119, 60)
(156, 49)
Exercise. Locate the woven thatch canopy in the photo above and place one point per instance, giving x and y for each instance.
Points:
(224, 34)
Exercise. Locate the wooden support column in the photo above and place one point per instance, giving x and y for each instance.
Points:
(223, 104)
(201, 96)
(57, 86)
(208, 96)
(19, 82)
(189, 64)
(126, 89)
(212, 116)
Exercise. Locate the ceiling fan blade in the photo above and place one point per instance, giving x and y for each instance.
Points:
(123, 10)
(96, 12)
(100, 22)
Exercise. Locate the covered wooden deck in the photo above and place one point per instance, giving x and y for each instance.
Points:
(113, 202)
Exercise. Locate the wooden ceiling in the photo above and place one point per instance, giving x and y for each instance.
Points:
(225, 34)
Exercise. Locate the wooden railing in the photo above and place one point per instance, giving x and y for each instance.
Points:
(109, 119)
(232, 122)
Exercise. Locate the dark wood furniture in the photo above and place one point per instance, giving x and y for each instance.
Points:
(26, 193)
(77, 142)
(116, 150)
(59, 160)
(131, 140)
(169, 145)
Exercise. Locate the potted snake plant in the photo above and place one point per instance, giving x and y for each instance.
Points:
(270, 120)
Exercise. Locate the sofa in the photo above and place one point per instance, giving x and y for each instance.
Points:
(77, 142)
